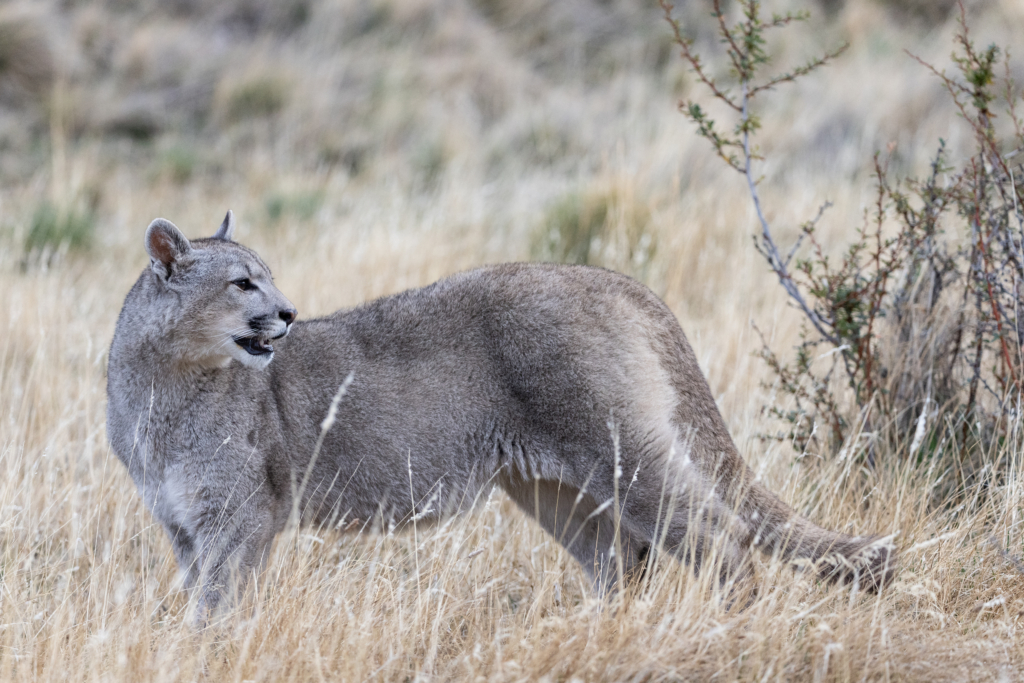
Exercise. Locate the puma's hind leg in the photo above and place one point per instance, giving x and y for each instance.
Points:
(682, 517)
(585, 527)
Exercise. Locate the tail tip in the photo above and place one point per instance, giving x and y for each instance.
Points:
(871, 564)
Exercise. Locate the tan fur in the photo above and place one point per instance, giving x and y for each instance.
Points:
(572, 388)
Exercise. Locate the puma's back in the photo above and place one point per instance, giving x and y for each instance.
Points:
(572, 388)
(487, 371)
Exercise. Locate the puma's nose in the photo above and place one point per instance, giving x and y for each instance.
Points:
(288, 315)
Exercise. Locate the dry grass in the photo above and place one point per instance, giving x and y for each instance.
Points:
(450, 155)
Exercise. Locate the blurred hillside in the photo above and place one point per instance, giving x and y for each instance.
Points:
(343, 86)
(533, 125)
(407, 90)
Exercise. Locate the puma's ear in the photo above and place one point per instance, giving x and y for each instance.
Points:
(227, 229)
(166, 246)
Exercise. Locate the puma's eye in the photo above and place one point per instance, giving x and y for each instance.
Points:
(244, 284)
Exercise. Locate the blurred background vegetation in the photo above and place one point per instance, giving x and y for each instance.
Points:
(420, 93)
(490, 129)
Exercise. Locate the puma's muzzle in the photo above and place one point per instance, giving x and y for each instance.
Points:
(266, 329)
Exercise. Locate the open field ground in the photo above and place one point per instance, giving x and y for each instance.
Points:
(371, 146)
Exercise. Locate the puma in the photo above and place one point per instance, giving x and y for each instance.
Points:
(572, 388)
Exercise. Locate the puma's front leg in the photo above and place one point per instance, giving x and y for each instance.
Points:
(184, 552)
(233, 544)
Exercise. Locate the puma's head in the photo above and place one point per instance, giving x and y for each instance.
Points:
(219, 299)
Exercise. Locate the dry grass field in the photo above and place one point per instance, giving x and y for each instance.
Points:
(368, 146)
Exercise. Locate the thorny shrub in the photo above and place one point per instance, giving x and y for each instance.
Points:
(915, 327)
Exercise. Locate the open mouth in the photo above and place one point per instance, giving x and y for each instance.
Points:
(255, 346)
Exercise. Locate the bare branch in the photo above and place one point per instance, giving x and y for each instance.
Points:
(693, 58)
(771, 251)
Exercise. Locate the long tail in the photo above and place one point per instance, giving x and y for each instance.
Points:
(777, 528)
(770, 524)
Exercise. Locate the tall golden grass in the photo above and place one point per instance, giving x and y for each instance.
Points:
(88, 584)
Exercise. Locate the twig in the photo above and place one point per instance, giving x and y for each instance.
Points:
(770, 251)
